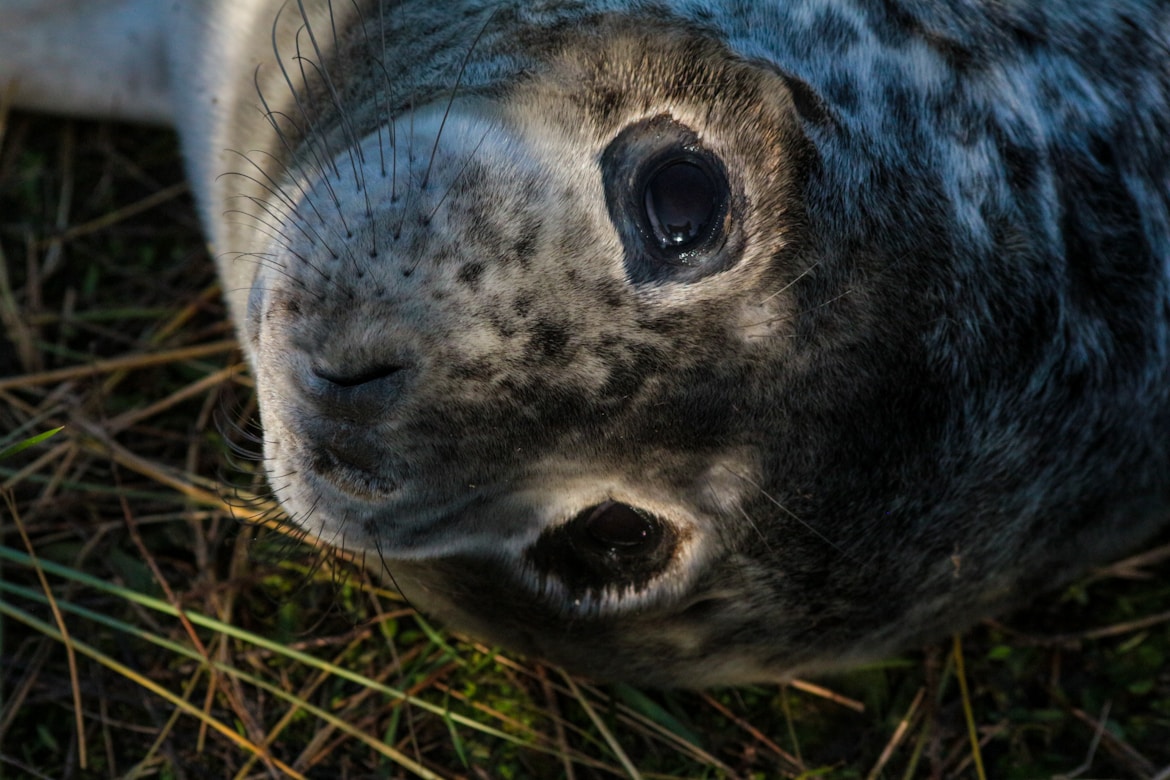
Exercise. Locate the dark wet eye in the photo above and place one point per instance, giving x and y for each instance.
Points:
(671, 200)
(681, 199)
(620, 528)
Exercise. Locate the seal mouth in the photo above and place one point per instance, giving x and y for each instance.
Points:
(355, 480)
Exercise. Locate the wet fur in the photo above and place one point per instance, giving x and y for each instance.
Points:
(929, 377)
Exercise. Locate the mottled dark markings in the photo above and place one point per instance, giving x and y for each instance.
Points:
(547, 342)
(471, 273)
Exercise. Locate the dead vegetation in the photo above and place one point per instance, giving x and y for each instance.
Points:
(156, 621)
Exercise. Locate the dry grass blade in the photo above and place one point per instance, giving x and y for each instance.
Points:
(793, 763)
(128, 362)
(631, 770)
(58, 619)
(112, 218)
(968, 712)
(899, 734)
(826, 693)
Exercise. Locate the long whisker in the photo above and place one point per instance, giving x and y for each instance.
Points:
(787, 511)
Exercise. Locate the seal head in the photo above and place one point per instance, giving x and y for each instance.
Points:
(660, 349)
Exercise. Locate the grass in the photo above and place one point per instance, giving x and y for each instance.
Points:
(155, 622)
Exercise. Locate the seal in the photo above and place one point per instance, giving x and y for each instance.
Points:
(681, 342)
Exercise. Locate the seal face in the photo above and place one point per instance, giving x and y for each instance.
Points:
(529, 346)
(701, 342)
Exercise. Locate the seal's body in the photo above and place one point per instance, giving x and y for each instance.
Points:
(693, 342)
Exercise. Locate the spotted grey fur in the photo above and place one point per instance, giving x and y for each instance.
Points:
(924, 373)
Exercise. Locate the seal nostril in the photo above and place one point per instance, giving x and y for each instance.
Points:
(365, 376)
(358, 393)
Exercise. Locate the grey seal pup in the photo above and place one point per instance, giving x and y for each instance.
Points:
(679, 342)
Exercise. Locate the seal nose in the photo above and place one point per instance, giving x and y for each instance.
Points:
(359, 394)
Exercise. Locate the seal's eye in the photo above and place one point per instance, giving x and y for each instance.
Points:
(683, 202)
(671, 200)
(680, 199)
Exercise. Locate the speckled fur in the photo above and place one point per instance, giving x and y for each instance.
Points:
(928, 376)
